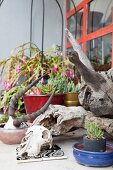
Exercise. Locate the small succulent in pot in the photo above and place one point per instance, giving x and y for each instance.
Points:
(95, 140)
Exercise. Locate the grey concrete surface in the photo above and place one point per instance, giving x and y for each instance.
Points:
(8, 159)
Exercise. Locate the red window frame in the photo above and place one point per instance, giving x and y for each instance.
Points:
(88, 36)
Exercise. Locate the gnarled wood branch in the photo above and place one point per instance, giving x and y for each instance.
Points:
(13, 101)
(25, 118)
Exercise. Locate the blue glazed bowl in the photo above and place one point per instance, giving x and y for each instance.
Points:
(95, 159)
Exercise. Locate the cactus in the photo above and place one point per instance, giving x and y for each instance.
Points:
(93, 131)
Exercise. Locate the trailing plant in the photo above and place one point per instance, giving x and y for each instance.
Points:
(22, 66)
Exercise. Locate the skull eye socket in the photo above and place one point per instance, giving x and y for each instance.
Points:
(101, 101)
(45, 134)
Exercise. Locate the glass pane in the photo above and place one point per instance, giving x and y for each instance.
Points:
(69, 50)
(100, 51)
(100, 14)
(72, 4)
(75, 24)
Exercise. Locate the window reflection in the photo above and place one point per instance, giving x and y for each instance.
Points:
(75, 24)
(72, 4)
(94, 19)
(100, 14)
(100, 51)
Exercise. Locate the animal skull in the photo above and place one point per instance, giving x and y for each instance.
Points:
(35, 137)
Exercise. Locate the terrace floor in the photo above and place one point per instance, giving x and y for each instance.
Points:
(8, 159)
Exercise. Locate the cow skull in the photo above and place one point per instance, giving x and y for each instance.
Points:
(35, 137)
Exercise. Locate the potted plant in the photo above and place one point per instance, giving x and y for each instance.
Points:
(24, 66)
(37, 96)
(95, 140)
(73, 88)
(94, 150)
(71, 97)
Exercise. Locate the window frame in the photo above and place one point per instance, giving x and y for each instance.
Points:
(88, 36)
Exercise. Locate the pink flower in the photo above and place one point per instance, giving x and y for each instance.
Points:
(8, 85)
(18, 68)
(54, 69)
(23, 59)
(0, 79)
(5, 110)
(42, 81)
(69, 73)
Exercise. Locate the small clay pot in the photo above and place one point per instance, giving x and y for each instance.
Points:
(12, 136)
(94, 145)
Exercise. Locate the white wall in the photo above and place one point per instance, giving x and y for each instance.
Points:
(15, 24)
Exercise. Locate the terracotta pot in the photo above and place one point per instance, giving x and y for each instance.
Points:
(36, 102)
(12, 136)
(71, 99)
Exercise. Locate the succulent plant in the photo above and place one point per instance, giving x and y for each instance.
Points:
(48, 86)
(71, 87)
(93, 131)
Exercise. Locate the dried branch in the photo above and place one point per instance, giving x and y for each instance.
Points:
(25, 118)
(13, 101)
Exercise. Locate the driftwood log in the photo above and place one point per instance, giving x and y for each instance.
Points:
(97, 93)
(62, 120)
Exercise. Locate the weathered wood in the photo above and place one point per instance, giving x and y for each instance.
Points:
(77, 133)
(62, 120)
(84, 59)
(92, 78)
(97, 93)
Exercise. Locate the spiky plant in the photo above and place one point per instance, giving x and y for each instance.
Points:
(93, 131)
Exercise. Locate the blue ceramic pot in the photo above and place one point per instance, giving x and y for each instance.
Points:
(96, 159)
